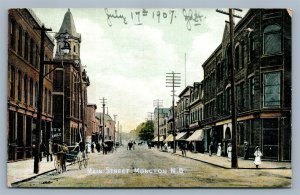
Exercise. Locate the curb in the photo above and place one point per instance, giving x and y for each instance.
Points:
(220, 166)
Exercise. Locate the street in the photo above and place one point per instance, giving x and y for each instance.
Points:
(145, 167)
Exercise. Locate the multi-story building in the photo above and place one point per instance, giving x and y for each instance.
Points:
(160, 122)
(196, 115)
(23, 79)
(70, 93)
(109, 127)
(262, 76)
(92, 123)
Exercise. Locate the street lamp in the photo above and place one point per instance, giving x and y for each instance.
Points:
(43, 31)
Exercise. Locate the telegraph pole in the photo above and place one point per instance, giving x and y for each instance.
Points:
(43, 31)
(158, 103)
(234, 160)
(115, 117)
(103, 101)
(173, 80)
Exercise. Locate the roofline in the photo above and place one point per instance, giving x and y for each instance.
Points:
(184, 90)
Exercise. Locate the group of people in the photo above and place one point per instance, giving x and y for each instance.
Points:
(257, 152)
(98, 147)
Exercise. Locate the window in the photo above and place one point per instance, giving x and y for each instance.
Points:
(49, 102)
(12, 81)
(237, 57)
(251, 45)
(272, 39)
(26, 46)
(228, 60)
(251, 92)
(74, 48)
(45, 99)
(31, 91)
(31, 57)
(36, 91)
(240, 96)
(20, 39)
(12, 34)
(19, 85)
(25, 89)
(37, 56)
(272, 89)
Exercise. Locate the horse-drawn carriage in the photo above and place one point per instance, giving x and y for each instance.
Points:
(108, 145)
(62, 155)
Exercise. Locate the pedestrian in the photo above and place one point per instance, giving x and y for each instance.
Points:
(219, 149)
(49, 151)
(183, 149)
(98, 147)
(65, 150)
(257, 155)
(246, 150)
(210, 148)
(229, 150)
(92, 147)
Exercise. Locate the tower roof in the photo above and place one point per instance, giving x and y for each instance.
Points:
(68, 26)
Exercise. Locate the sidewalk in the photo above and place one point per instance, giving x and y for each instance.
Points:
(225, 163)
(22, 170)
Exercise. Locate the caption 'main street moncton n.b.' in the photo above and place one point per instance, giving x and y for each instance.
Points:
(130, 98)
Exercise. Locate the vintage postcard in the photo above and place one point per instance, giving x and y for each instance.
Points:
(149, 98)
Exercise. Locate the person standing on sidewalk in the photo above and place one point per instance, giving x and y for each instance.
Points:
(257, 155)
(210, 148)
(219, 150)
(246, 150)
(229, 150)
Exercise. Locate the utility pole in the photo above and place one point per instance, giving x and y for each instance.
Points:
(115, 117)
(120, 134)
(103, 101)
(158, 103)
(173, 80)
(43, 31)
(150, 115)
(234, 160)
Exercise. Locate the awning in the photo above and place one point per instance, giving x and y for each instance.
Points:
(196, 136)
(169, 138)
(161, 138)
(181, 136)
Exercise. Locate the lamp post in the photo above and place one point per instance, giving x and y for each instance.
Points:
(43, 31)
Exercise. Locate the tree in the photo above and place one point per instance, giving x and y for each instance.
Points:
(146, 131)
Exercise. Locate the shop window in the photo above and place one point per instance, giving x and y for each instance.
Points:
(272, 39)
(272, 89)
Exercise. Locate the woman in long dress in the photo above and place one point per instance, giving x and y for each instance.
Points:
(219, 150)
(229, 150)
(257, 155)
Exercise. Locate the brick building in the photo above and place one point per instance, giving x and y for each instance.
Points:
(92, 122)
(23, 79)
(262, 75)
(67, 104)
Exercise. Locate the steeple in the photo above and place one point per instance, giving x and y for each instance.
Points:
(68, 25)
(67, 32)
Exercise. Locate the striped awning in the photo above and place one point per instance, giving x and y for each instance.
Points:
(196, 136)
(161, 138)
(181, 136)
(169, 138)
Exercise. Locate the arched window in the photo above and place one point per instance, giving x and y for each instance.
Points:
(12, 81)
(26, 46)
(251, 45)
(272, 39)
(237, 57)
(19, 85)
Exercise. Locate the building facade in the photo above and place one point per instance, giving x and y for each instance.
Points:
(92, 123)
(262, 76)
(70, 86)
(23, 79)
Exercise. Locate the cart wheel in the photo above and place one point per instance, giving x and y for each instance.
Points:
(79, 163)
(85, 162)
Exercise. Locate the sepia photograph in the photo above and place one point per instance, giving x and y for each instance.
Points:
(149, 98)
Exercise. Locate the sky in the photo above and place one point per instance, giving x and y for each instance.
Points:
(127, 53)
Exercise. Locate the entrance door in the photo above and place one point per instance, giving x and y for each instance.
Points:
(270, 138)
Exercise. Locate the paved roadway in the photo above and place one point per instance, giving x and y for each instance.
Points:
(145, 167)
